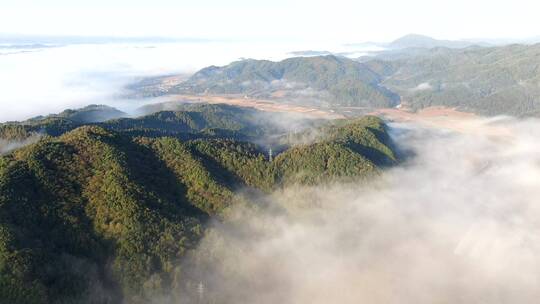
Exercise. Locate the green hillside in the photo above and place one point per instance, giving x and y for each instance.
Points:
(104, 214)
(323, 80)
(484, 80)
(187, 120)
(489, 81)
(88, 114)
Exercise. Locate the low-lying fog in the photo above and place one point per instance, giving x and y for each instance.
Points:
(42, 80)
(458, 222)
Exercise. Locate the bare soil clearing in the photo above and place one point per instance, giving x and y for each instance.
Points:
(448, 119)
(435, 117)
(260, 104)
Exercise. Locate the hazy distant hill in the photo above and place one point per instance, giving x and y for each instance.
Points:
(490, 81)
(416, 41)
(322, 80)
(421, 41)
(483, 80)
(105, 212)
(183, 120)
(15, 134)
(91, 113)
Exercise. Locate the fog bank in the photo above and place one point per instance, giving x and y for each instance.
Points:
(45, 79)
(458, 222)
(7, 146)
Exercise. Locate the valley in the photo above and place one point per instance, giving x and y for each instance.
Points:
(162, 170)
(244, 101)
(488, 81)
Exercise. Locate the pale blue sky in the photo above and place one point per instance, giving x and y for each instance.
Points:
(335, 20)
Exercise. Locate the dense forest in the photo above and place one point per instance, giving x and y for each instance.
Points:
(103, 212)
(322, 80)
(484, 80)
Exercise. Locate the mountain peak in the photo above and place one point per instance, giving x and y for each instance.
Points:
(423, 41)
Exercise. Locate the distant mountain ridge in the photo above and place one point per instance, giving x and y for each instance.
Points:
(309, 80)
(488, 81)
(90, 113)
(485, 80)
(421, 41)
(417, 41)
(184, 120)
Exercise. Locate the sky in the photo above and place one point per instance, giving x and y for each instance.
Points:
(336, 21)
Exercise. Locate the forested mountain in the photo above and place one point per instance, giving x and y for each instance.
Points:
(91, 113)
(483, 80)
(14, 134)
(319, 80)
(104, 212)
(185, 120)
(489, 81)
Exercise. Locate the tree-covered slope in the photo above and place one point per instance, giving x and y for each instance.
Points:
(489, 81)
(88, 114)
(102, 215)
(322, 80)
(89, 211)
(184, 120)
(483, 80)
(55, 124)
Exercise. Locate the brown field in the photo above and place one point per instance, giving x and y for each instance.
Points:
(435, 117)
(260, 104)
(446, 118)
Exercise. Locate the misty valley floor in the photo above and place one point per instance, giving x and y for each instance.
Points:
(457, 223)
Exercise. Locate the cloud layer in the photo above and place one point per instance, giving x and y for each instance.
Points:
(42, 80)
(10, 145)
(49, 80)
(457, 223)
